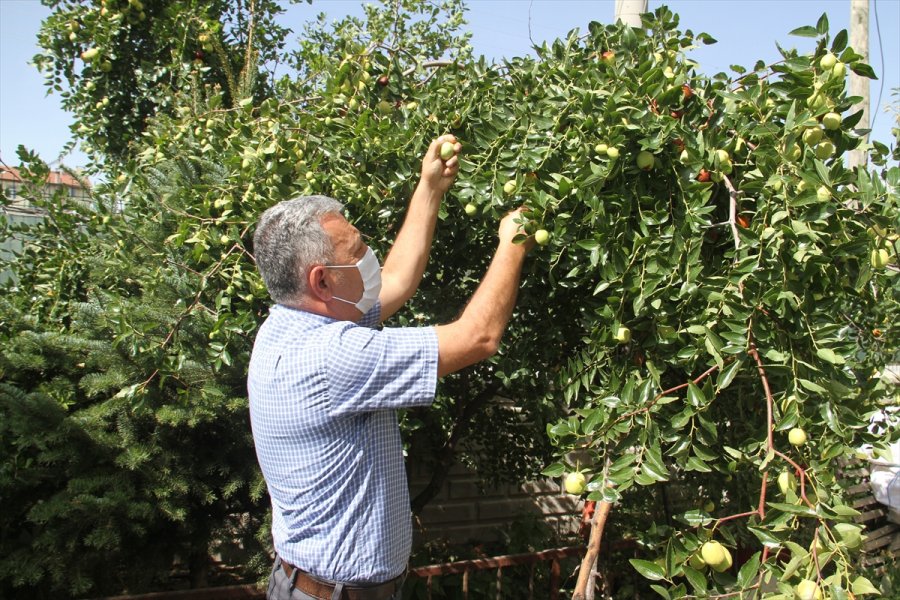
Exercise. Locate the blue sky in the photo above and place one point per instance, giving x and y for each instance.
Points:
(746, 30)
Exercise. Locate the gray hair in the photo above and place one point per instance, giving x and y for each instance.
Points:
(288, 240)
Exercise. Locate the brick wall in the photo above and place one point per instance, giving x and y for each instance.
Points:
(462, 512)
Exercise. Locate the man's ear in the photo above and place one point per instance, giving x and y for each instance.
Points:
(318, 284)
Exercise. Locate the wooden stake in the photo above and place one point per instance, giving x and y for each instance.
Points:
(593, 551)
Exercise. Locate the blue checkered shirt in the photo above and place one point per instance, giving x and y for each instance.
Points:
(323, 401)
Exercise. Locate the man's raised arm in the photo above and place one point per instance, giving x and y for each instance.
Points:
(476, 335)
(405, 263)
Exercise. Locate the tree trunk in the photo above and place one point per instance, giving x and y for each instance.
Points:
(198, 569)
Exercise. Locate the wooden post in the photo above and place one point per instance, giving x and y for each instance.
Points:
(554, 579)
(859, 85)
(629, 12)
(593, 551)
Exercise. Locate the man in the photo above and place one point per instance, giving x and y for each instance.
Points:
(325, 384)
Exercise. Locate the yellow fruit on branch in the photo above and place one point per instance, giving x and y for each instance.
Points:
(786, 481)
(831, 121)
(575, 483)
(645, 160)
(716, 556)
(797, 437)
(808, 590)
(827, 62)
(879, 258)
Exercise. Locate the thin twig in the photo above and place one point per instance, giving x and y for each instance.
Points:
(432, 64)
(732, 211)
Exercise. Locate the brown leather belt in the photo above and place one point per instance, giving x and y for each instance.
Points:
(316, 588)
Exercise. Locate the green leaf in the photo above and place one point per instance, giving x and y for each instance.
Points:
(624, 462)
(797, 560)
(695, 464)
(673, 565)
(796, 509)
(829, 355)
(696, 579)
(696, 398)
(726, 376)
(834, 451)
(861, 586)
(749, 571)
(845, 511)
(812, 387)
(791, 118)
(650, 570)
(713, 351)
(644, 479)
(822, 171)
(654, 465)
(805, 31)
(863, 70)
(840, 41)
(776, 356)
(654, 472)
(696, 517)
(554, 470)
(765, 536)
(822, 24)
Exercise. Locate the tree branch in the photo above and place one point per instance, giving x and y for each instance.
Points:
(732, 210)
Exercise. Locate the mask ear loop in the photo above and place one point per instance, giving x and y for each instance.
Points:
(354, 266)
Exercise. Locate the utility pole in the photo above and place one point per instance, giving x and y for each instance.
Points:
(629, 12)
(859, 85)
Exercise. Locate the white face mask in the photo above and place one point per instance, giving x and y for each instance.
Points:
(370, 271)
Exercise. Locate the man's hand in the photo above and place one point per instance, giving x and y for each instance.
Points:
(511, 226)
(405, 263)
(438, 174)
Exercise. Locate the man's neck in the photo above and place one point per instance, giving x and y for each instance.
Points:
(320, 308)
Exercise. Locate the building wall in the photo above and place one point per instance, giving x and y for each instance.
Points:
(22, 212)
(463, 512)
(13, 244)
(12, 187)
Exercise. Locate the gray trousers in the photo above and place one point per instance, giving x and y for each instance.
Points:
(282, 588)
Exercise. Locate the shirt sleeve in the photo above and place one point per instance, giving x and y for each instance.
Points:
(391, 368)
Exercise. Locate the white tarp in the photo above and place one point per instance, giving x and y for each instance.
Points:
(885, 481)
(885, 471)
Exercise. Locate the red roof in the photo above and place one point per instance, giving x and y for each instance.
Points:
(54, 178)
